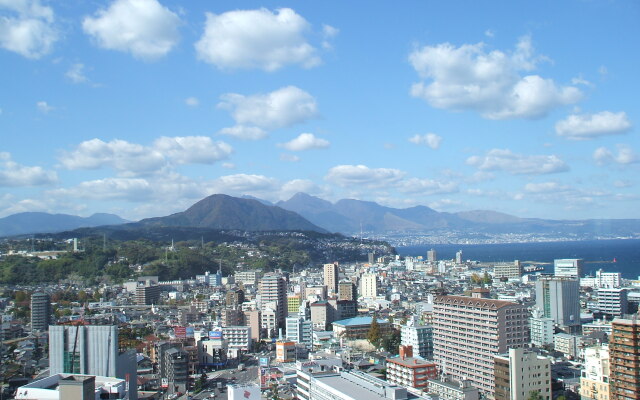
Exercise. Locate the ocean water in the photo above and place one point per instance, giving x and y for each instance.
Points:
(596, 253)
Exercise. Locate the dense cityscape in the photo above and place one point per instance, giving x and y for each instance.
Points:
(382, 326)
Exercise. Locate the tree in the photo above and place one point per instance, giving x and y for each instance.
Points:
(534, 395)
(373, 336)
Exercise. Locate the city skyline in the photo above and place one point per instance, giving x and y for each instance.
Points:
(141, 108)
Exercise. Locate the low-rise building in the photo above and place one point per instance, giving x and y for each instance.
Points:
(446, 388)
(406, 370)
(358, 327)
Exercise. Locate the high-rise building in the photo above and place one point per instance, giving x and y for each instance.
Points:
(602, 279)
(559, 298)
(273, 289)
(613, 301)
(508, 270)
(369, 286)
(541, 328)
(300, 330)
(432, 256)
(521, 372)
(419, 337)
(594, 379)
(347, 291)
(90, 350)
(459, 258)
(147, 294)
(568, 267)
(469, 332)
(331, 272)
(40, 311)
(624, 359)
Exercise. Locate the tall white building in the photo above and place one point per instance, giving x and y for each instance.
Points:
(469, 332)
(613, 301)
(419, 337)
(521, 372)
(273, 294)
(369, 286)
(300, 330)
(602, 279)
(594, 379)
(331, 272)
(568, 267)
(541, 328)
(559, 298)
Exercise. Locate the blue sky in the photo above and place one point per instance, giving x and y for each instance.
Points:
(141, 107)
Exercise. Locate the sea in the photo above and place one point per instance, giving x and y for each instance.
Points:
(616, 255)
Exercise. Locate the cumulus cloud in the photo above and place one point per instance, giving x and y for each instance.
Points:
(305, 141)
(260, 39)
(545, 187)
(29, 30)
(131, 159)
(348, 175)
(589, 126)
(430, 139)
(144, 28)
(44, 107)
(625, 155)
(13, 174)
(256, 113)
(489, 82)
(427, 186)
(517, 164)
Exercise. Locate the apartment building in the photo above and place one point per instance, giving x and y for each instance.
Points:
(521, 372)
(594, 379)
(624, 359)
(409, 371)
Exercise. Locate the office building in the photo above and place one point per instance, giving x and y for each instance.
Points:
(559, 299)
(147, 294)
(331, 272)
(76, 387)
(446, 388)
(273, 294)
(406, 370)
(567, 344)
(175, 370)
(248, 277)
(459, 257)
(90, 350)
(40, 311)
(237, 339)
(369, 286)
(358, 327)
(469, 332)
(432, 256)
(571, 267)
(541, 327)
(252, 319)
(293, 304)
(613, 301)
(321, 315)
(508, 270)
(235, 297)
(602, 279)
(347, 291)
(299, 330)
(521, 372)
(594, 378)
(624, 359)
(419, 337)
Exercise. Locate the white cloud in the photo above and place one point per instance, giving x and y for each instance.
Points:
(622, 183)
(144, 28)
(278, 109)
(581, 81)
(76, 73)
(489, 33)
(131, 159)
(13, 174)
(244, 132)
(470, 78)
(545, 187)
(44, 107)
(348, 175)
(328, 33)
(259, 39)
(289, 157)
(305, 141)
(30, 32)
(192, 101)
(427, 187)
(625, 155)
(228, 165)
(506, 160)
(589, 126)
(430, 139)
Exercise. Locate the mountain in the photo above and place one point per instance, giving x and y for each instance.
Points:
(39, 222)
(350, 216)
(220, 211)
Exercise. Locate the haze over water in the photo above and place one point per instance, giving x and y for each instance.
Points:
(597, 254)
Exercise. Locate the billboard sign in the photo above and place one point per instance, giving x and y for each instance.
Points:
(215, 334)
(180, 331)
(264, 361)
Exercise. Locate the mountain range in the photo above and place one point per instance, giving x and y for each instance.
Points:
(303, 212)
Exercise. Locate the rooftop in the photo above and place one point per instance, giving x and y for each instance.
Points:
(357, 321)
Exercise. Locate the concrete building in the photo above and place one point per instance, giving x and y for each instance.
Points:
(432, 255)
(249, 391)
(40, 312)
(613, 301)
(147, 294)
(357, 327)
(541, 328)
(299, 330)
(285, 351)
(594, 378)
(273, 291)
(446, 388)
(624, 359)
(569, 267)
(293, 304)
(559, 298)
(331, 273)
(567, 344)
(508, 270)
(232, 317)
(369, 286)
(469, 332)
(406, 370)
(602, 279)
(175, 370)
(76, 387)
(238, 339)
(419, 337)
(459, 257)
(252, 319)
(521, 372)
(347, 291)
(248, 277)
(235, 297)
(90, 350)
(321, 315)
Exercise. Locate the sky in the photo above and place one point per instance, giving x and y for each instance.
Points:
(143, 107)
